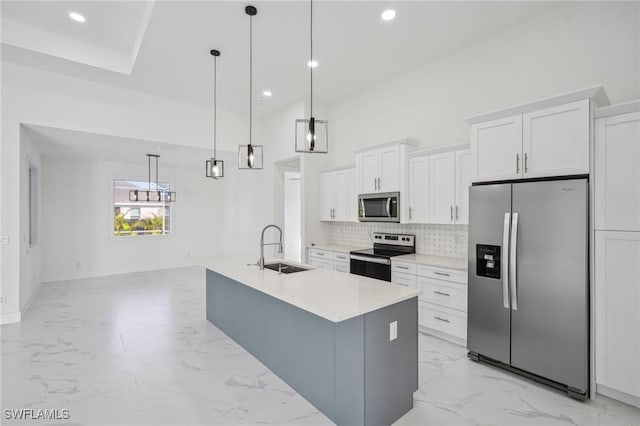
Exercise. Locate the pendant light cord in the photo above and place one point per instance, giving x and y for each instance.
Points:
(215, 93)
(311, 52)
(250, 77)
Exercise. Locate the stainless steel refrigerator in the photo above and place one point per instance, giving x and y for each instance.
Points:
(529, 280)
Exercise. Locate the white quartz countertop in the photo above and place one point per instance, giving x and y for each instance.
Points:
(439, 261)
(342, 248)
(332, 295)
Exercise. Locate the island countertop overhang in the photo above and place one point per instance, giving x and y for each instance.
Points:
(332, 295)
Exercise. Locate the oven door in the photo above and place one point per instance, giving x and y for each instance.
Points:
(372, 267)
(379, 207)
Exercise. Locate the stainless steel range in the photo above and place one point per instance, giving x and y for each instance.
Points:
(376, 262)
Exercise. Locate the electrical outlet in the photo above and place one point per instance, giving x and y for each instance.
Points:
(4, 239)
(393, 330)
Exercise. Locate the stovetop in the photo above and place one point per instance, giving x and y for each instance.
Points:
(380, 252)
(389, 245)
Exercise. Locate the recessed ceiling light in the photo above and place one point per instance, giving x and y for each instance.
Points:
(76, 17)
(267, 93)
(312, 64)
(388, 14)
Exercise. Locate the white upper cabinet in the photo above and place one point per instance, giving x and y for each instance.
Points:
(338, 202)
(418, 189)
(617, 172)
(463, 181)
(381, 168)
(352, 201)
(546, 138)
(556, 140)
(368, 166)
(341, 195)
(389, 172)
(327, 185)
(439, 186)
(442, 187)
(496, 149)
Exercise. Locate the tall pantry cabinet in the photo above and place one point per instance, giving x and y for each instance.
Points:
(617, 251)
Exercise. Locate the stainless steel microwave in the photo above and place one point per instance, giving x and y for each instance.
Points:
(381, 207)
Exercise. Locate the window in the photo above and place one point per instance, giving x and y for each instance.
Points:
(139, 218)
(33, 205)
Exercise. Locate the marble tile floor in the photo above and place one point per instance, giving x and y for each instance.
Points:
(136, 349)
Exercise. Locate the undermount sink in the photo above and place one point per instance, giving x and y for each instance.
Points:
(285, 268)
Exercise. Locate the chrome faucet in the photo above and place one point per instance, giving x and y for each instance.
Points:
(262, 244)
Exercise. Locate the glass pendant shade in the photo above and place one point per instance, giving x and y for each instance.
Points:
(250, 157)
(214, 168)
(312, 136)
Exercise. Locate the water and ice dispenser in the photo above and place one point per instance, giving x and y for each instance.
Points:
(488, 261)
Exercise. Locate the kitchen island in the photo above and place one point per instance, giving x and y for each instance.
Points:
(346, 343)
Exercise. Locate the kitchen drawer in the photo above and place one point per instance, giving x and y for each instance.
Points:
(443, 293)
(444, 320)
(342, 266)
(321, 263)
(341, 257)
(452, 275)
(403, 279)
(404, 268)
(322, 254)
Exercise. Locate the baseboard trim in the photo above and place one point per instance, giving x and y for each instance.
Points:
(25, 308)
(9, 317)
(618, 395)
(444, 336)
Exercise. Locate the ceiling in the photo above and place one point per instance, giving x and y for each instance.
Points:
(168, 43)
(63, 143)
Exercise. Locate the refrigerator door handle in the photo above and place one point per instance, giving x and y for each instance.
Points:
(505, 262)
(513, 261)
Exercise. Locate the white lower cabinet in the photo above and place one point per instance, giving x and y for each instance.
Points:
(331, 260)
(322, 263)
(342, 267)
(443, 320)
(443, 303)
(403, 279)
(617, 315)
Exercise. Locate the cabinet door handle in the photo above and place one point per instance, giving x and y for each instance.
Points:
(526, 160)
(441, 319)
(517, 163)
(402, 267)
(451, 213)
(444, 274)
(410, 213)
(456, 212)
(441, 293)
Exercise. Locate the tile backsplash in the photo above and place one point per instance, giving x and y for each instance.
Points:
(437, 240)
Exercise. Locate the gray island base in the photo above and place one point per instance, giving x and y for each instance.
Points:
(349, 370)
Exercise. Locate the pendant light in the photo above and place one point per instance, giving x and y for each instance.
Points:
(214, 167)
(250, 156)
(156, 195)
(311, 134)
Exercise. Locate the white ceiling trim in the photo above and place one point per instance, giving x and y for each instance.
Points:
(35, 39)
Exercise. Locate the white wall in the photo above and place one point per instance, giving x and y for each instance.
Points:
(568, 48)
(30, 256)
(37, 97)
(77, 226)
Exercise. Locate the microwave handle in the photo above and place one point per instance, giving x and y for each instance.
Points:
(364, 214)
(389, 207)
